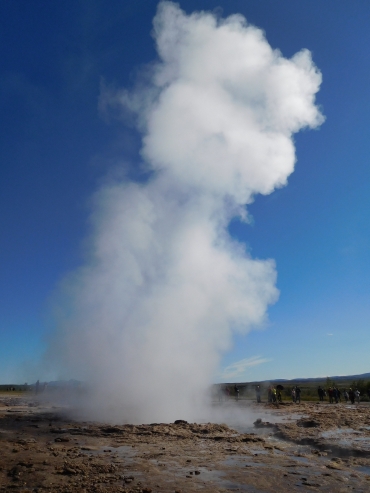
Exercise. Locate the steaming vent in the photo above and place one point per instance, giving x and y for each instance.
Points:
(146, 319)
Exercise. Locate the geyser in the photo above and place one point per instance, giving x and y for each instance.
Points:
(145, 320)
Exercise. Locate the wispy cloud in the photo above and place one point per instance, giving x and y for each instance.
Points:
(240, 368)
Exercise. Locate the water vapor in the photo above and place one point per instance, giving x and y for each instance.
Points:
(145, 320)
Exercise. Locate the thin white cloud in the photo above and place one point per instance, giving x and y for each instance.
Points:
(240, 368)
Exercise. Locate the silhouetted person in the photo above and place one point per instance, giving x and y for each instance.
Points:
(320, 391)
(351, 396)
(298, 394)
(335, 395)
(236, 392)
(330, 393)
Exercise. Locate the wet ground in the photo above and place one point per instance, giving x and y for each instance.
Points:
(306, 447)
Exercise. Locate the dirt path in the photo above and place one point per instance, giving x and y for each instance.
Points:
(328, 449)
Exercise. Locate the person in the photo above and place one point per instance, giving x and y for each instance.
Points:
(293, 394)
(278, 394)
(345, 395)
(339, 395)
(37, 387)
(351, 396)
(357, 396)
(320, 391)
(297, 394)
(236, 388)
(335, 395)
(258, 393)
(330, 393)
(269, 394)
(273, 392)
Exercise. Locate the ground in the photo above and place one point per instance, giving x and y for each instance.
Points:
(293, 447)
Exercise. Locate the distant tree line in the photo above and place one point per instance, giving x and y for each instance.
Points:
(308, 388)
(14, 388)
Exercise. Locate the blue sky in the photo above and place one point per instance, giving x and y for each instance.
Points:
(57, 149)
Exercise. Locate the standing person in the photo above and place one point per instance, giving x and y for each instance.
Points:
(330, 393)
(345, 395)
(321, 394)
(258, 393)
(293, 394)
(273, 393)
(335, 395)
(357, 396)
(269, 394)
(236, 388)
(339, 395)
(297, 394)
(278, 394)
(351, 396)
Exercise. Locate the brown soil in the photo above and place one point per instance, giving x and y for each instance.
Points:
(326, 449)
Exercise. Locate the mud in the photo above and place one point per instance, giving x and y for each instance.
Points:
(304, 447)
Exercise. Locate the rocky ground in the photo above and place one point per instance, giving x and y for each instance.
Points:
(306, 447)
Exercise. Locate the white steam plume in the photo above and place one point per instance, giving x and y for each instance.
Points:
(165, 286)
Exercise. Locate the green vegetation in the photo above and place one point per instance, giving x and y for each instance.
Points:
(308, 388)
(12, 389)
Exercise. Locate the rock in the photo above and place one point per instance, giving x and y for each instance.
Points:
(62, 439)
(25, 442)
(111, 429)
(58, 430)
(263, 424)
(14, 472)
(128, 479)
(334, 465)
(308, 423)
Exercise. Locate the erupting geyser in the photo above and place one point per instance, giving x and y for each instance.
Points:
(145, 320)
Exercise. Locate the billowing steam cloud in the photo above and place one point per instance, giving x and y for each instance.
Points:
(165, 286)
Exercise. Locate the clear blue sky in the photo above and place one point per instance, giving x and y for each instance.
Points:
(56, 149)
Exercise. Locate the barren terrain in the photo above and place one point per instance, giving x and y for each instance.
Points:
(306, 447)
